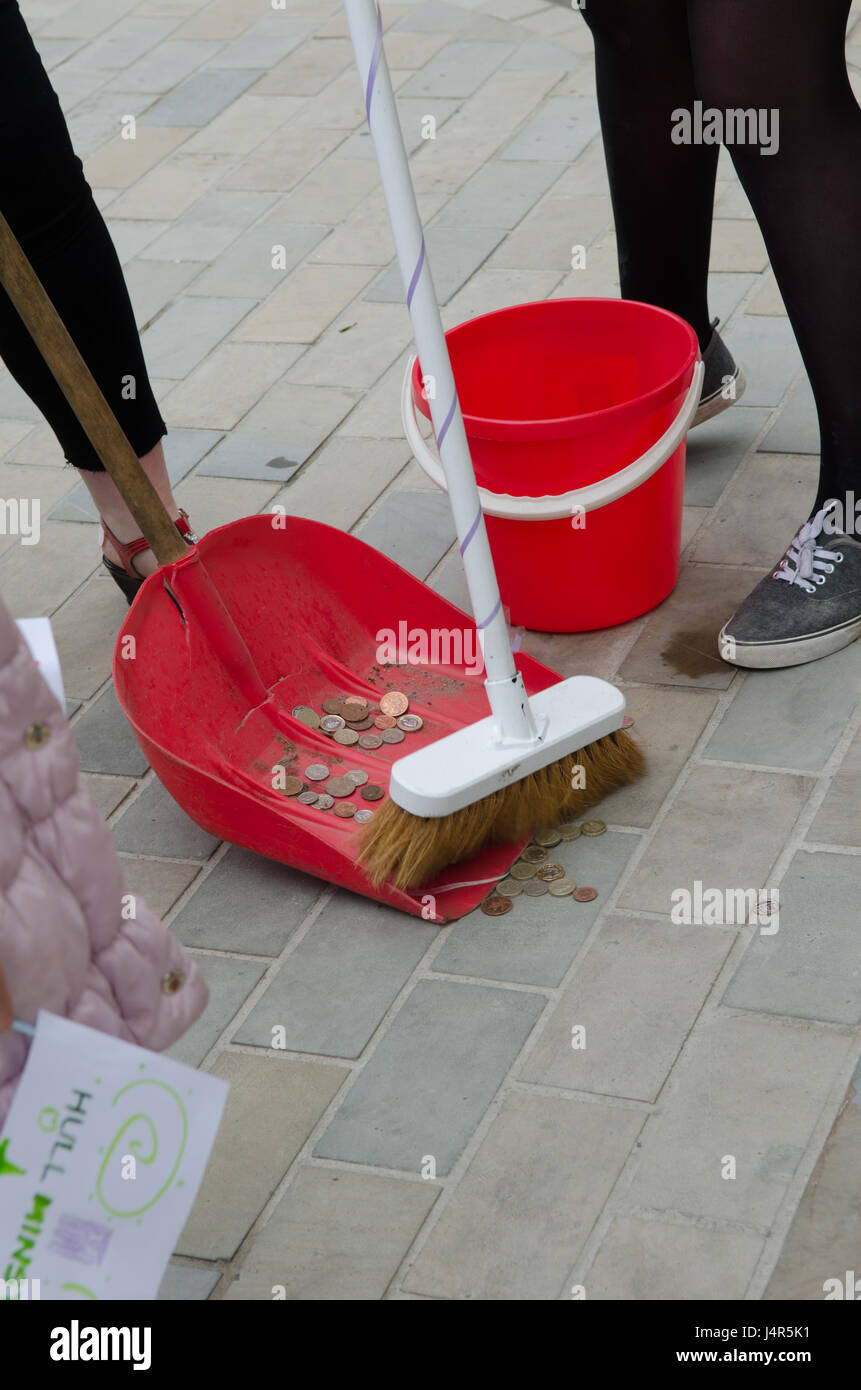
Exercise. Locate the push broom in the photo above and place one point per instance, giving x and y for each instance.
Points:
(534, 760)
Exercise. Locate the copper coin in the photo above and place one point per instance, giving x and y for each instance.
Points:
(356, 776)
(346, 810)
(561, 888)
(585, 895)
(549, 872)
(392, 736)
(593, 827)
(318, 772)
(547, 838)
(410, 723)
(332, 705)
(325, 802)
(522, 870)
(357, 705)
(535, 888)
(293, 786)
(330, 723)
(372, 792)
(627, 721)
(308, 798)
(364, 815)
(385, 721)
(370, 741)
(509, 888)
(496, 907)
(340, 786)
(394, 703)
(569, 831)
(360, 724)
(534, 854)
(346, 736)
(306, 715)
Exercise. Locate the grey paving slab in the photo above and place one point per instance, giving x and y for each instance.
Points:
(335, 1236)
(766, 348)
(15, 404)
(295, 420)
(105, 740)
(454, 253)
(658, 978)
(793, 719)
(230, 982)
(122, 45)
(560, 130)
(535, 943)
(182, 449)
(433, 16)
(458, 70)
(521, 1214)
(166, 65)
(838, 820)
(246, 269)
(654, 1261)
(152, 285)
(265, 43)
(211, 225)
(726, 291)
(155, 824)
(537, 52)
(716, 449)
(199, 100)
(99, 118)
(413, 528)
(500, 194)
(241, 456)
(432, 1076)
(187, 1284)
(796, 429)
(811, 967)
(187, 331)
(217, 916)
(667, 725)
(332, 991)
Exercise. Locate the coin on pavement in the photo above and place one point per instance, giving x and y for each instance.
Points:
(394, 703)
(522, 871)
(392, 736)
(370, 741)
(593, 827)
(509, 888)
(372, 792)
(306, 715)
(535, 888)
(496, 907)
(534, 854)
(317, 772)
(547, 838)
(356, 776)
(364, 815)
(561, 888)
(293, 786)
(569, 831)
(346, 736)
(410, 723)
(585, 895)
(340, 786)
(550, 872)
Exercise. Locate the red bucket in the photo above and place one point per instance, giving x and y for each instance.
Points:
(576, 412)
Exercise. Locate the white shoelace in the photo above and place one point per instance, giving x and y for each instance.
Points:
(806, 563)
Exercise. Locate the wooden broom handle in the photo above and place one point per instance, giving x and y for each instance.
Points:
(79, 386)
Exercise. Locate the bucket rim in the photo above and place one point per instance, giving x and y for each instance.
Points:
(568, 426)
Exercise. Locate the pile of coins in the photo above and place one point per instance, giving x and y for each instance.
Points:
(535, 874)
(338, 787)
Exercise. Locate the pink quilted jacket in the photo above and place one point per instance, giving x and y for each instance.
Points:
(64, 944)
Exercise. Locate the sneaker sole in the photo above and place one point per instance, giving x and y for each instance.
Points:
(706, 410)
(796, 651)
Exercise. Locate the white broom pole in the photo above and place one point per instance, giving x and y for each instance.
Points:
(513, 717)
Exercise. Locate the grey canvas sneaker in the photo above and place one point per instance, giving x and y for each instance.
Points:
(723, 382)
(808, 607)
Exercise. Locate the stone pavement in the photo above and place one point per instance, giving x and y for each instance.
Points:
(705, 1141)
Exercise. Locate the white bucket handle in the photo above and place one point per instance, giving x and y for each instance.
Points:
(566, 504)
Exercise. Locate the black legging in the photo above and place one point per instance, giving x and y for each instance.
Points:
(655, 56)
(49, 206)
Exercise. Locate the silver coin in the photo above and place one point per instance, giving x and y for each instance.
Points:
(410, 723)
(307, 798)
(325, 802)
(357, 776)
(307, 716)
(330, 722)
(363, 816)
(393, 735)
(317, 772)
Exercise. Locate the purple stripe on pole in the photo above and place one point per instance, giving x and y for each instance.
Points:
(445, 424)
(416, 273)
(489, 620)
(375, 63)
(471, 532)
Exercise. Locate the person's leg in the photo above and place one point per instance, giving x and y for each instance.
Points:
(768, 55)
(49, 206)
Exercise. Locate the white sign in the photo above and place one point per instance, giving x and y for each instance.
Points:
(39, 636)
(101, 1157)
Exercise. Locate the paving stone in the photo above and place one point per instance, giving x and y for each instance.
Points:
(212, 502)
(159, 882)
(458, 70)
(165, 192)
(305, 304)
(228, 383)
(548, 236)
(726, 291)
(105, 740)
(760, 511)
(122, 45)
(822, 1242)
(761, 809)
(720, 1106)
(74, 86)
(333, 990)
(541, 1157)
(99, 118)
(792, 720)
(250, 1158)
(737, 244)
(560, 130)
(165, 66)
(432, 1076)
(246, 268)
(658, 978)
(453, 254)
(185, 1284)
(85, 19)
(767, 300)
(107, 792)
(768, 353)
(152, 285)
(406, 52)
(335, 1236)
(433, 16)
(667, 723)
(598, 277)
(199, 100)
(716, 448)
(245, 124)
(296, 419)
(85, 631)
(537, 52)
(155, 824)
(838, 820)
(13, 433)
(230, 981)
(183, 448)
(240, 456)
(132, 237)
(734, 203)
(279, 164)
(810, 967)
(36, 579)
(319, 493)
(537, 941)
(123, 161)
(209, 227)
(490, 289)
(588, 173)
(356, 348)
(500, 194)
(414, 529)
(216, 916)
(321, 198)
(265, 43)
(309, 68)
(651, 1260)
(678, 645)
(15, 404)
(796, 429)
(187, 331)
(378, 413)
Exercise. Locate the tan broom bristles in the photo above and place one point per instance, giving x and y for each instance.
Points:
(409, 850)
